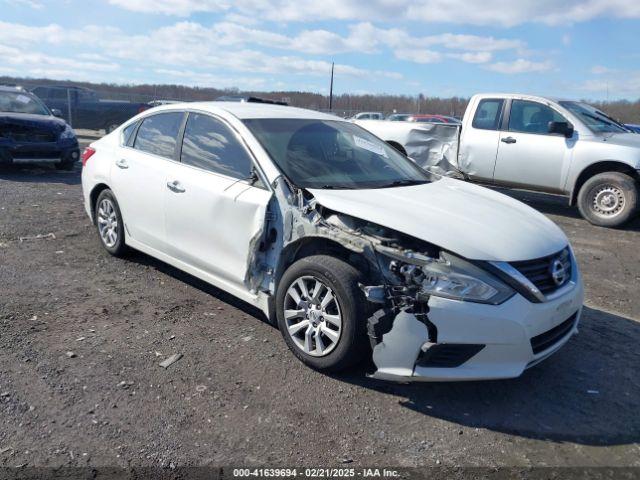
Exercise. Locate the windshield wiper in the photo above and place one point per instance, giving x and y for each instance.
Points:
(404, 183)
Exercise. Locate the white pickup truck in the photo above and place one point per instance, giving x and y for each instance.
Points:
(536, 143)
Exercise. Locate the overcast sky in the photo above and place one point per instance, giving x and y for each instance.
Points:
(583, 49)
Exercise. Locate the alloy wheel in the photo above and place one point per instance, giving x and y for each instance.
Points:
(108, 223)
(313, 316)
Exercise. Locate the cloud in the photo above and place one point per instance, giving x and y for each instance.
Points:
(520, 66)
(600, 70)
(473, 57)
(625, 85)
(462, 12)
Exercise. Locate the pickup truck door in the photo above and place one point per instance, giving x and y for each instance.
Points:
(479, 140)
(214, 213)
(528, 155)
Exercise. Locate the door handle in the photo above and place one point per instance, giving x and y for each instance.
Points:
(122, 163)
(508, 140)
(175, 186)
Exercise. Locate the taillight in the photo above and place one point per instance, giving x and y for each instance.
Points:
(87, 154)
(142, 108)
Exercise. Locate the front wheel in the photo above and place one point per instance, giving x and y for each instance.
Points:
(321, 313)
(608, 199)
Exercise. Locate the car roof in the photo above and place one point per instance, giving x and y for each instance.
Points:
(244, 111)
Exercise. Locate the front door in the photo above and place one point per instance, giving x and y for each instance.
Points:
(214, 215)
(528, 155)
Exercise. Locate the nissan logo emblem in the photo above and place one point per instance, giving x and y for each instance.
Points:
(558, 272)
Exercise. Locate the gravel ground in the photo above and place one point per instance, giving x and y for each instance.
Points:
(82, 333)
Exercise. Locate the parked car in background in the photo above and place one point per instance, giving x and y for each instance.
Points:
(632, 127)
(398, 117)
(368, 116)
(82, 108)
(537, 143)
(346, 244)
(30, 132)
(433, 119)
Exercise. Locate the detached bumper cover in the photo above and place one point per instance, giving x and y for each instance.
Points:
(485, 341)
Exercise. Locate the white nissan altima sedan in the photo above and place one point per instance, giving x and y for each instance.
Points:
(342, 241)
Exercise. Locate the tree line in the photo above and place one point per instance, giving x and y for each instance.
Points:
(345, 104)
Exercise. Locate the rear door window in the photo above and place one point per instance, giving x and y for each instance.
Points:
(488, 114)
(212, 146)
(158, 134)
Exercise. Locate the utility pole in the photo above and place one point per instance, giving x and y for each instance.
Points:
(331, 90)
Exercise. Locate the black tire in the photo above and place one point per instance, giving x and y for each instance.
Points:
(119, 248)
(68, 166)
(342, 278)
(620, 189)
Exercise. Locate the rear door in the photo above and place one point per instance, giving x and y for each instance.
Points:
(528, 155)
(479, 141)
(214, 215)
(138, 177)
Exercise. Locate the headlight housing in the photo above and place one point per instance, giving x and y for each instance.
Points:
(450, 277)
(67, 133)
(461, 280)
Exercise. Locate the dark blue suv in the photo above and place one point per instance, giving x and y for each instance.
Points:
(30, 132)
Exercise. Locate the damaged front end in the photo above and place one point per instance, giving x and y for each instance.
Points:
(402, 275)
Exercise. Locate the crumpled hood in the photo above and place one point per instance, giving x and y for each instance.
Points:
(28, 121)
(472, 221)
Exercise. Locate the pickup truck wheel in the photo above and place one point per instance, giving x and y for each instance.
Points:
(321, 313)
(109, 223)
(608, 199)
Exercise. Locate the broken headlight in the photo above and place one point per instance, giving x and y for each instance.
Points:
(448, 276)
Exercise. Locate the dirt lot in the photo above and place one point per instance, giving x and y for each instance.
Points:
(239, 397)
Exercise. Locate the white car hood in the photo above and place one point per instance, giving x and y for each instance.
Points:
(466, 219)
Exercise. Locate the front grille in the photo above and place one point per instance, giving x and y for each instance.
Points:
(547, 273)
(541, 342)
(30, 137)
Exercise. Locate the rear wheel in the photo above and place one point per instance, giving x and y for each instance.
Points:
(608, 199)
(109, 223)
(321, 313)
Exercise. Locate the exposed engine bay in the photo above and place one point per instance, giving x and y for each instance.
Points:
(398, 269)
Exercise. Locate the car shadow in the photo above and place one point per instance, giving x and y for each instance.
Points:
(550, 204)
(587, 393)
(146, 260)
(40, 173)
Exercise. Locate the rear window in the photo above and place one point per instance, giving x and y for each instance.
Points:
(488, 114)
(158, 134)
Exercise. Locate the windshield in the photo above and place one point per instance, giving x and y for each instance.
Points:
(333, 154)
(597, 121)
(21, 102)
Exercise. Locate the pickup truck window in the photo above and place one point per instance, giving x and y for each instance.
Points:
(488, 114)
(210, 145)
(158, 134)
(532, 117)
(595, 120)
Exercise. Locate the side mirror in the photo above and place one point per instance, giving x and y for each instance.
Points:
(56, 113)
(562, 128)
